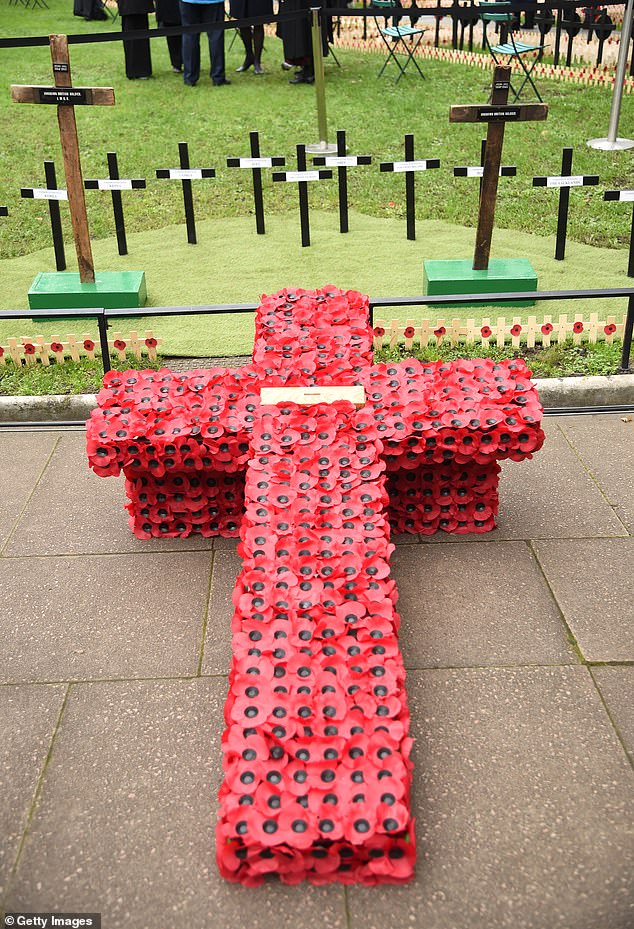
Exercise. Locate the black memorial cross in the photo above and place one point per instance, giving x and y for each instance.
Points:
(52, 194)
(4, 210)
(186, 175)
(256, 162)
(301, 177)
(115, 185)
(564, 182)
(496, 114)
(408, 168)
(66, 98)
(341, 161)
(625, 196)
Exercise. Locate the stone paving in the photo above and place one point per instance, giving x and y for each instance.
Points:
(520, 654)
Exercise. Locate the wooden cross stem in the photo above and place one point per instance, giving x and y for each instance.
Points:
(492, 160)
(72, 162)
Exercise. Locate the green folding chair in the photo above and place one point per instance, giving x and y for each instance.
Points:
(395, 38)
(510, 48)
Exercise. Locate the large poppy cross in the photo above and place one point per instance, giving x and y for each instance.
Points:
(316, 746)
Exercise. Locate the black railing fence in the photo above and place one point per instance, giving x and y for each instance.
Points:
(103, 316)
(562, 16)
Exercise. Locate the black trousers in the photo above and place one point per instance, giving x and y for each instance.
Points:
(138, 59)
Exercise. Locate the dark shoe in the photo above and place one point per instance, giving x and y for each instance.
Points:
(223, 83)
(300, 77)
(257, 68)
(246, 64)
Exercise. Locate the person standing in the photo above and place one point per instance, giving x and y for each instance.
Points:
(168, 14)
(296, 36)
(194, 12)
(138, 57)
(252, 36)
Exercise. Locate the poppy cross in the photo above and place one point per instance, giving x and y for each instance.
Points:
(317, 768)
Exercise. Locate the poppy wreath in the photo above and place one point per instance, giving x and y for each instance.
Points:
(178, 437)
(316, 749)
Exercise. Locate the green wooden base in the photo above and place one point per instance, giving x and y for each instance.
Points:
(63, 290)
(456, 276)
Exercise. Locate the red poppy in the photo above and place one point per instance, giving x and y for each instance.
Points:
(485, 332)
(28, 348)
(577, 327)
(547, 328)
(610, 329)
(1, 351)
(440, 332)
(119, 344)
(379, 331)
(516, 330)
(89, 345)
(151, 343)
(409, 332)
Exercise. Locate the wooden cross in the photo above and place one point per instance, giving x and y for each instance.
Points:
(66, 98)
(496, 114)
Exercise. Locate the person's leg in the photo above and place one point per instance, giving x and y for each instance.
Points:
(175, 48)
(245, 35)
(191, 43)
(258, 45)
(215, 13)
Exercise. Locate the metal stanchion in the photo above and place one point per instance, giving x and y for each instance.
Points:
(613, 143)
(323, 146)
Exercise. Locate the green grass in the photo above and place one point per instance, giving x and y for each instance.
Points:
(231, 264)
(85, 376)
(151, 117)
(73, 377)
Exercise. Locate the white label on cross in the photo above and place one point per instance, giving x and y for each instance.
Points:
(114, 184)
(402, 166)
(341, 161)
(43, 193)
(573, 181)
(301, 176)
(186, 174)
(256, 162)
(626, 194)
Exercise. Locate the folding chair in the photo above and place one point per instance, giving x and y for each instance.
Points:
(398, 35)
(509, 48)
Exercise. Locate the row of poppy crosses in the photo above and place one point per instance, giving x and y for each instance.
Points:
(316, 750)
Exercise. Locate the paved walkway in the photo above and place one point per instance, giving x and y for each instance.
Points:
(520, 655)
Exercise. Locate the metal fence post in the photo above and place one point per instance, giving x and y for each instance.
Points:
(320, 87)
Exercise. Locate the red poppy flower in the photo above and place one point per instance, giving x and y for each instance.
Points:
(516, 330)
(151, 343)
(547, 328)
(379, 331)
(440, 332)
(610, 329)
(89, 345)
(1, 351)
(485, 332)
(577, 327)
(409, 332)
(119, 344)
(28, 348)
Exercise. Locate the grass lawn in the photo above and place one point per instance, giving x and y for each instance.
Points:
(151, 117)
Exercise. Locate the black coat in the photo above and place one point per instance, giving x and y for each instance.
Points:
(296, 33)
(168, 11)
(135, 7)
(244, 9)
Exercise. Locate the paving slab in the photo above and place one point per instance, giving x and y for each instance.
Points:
(476, 604)
(28, 715)
(75, 512)
(22, 460)
(593, 582)
(552, 496)
(523, 797)
(217, 653)
(125, 825)
(103, 616)
(617, 689)
(606, 445)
